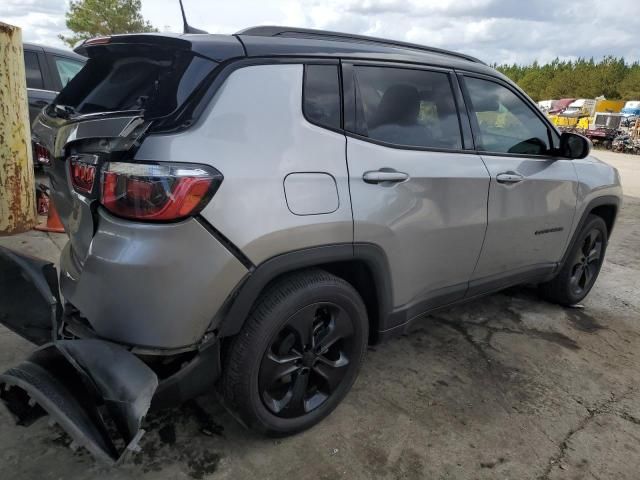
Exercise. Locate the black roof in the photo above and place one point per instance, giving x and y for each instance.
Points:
(285, 41)
(291, 32)
(269, 41)
(272, 41)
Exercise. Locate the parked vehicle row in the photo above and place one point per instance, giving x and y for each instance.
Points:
(48, 70)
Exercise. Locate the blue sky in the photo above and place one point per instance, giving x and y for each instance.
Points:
(494, 30)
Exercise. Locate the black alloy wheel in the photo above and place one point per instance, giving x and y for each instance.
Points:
(586, 263)
(580, 270)
(307, 360)
(298, 353)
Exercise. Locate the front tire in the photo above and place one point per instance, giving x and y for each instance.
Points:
(581, 269)
(298, 353)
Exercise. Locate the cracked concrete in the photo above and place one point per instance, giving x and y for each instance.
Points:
(505, 387)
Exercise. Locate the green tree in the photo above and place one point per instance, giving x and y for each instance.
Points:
(582, 78)
(95, 18)
(630, 85)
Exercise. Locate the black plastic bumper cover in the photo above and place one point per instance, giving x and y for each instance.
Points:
(29, 299)
(98, 392)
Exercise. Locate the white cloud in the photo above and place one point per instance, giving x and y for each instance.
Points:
(493, 30)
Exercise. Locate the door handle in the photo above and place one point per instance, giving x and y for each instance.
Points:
(509, 177)
(384, 175)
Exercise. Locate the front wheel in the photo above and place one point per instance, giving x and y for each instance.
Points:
(298, 353)
(581, 269)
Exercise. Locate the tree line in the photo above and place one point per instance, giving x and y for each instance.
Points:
(582, 78)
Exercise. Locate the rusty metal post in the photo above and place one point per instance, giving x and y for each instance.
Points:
(17, 182)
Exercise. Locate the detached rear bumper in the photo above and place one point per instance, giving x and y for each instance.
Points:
(29, 299)
(83, 385)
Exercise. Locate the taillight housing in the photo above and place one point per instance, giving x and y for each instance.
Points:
(42, 155)
(157, 192)
(83, 172)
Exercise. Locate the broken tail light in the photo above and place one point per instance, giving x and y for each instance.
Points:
(83, 172)
(42, 155)
(157, 192)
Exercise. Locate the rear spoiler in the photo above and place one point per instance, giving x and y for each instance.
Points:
(214, 47)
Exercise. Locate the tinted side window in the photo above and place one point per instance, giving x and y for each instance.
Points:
(407, 107)
(507, 124)
(321, 95)
(32, 69)
(67, 69)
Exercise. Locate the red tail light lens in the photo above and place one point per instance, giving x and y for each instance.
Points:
(42, 155)
(83, 172)
(157, 192)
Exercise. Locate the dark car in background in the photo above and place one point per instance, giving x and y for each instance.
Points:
(48, 70)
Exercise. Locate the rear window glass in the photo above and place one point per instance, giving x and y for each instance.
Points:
(321, 95)
(32, 69)
(122, 78)
(407, 107)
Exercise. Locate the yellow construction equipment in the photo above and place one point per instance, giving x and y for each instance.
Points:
(581, 113)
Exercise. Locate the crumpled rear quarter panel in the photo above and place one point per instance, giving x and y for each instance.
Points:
(152, 285)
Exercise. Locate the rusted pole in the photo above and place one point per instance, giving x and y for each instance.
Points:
(17, 183)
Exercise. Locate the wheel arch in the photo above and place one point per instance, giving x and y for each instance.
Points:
(605, 207)
(363, 265)
(608, 213)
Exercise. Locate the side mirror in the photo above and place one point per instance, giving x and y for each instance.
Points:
(574, 146)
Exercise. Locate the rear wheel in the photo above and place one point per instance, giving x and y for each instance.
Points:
(298, 353)
(580, 271)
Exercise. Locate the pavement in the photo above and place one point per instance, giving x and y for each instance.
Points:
(506, 387)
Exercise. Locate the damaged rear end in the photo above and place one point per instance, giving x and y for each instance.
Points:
(95, 390)
(100, 363)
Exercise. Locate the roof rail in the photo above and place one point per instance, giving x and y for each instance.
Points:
(276, 31)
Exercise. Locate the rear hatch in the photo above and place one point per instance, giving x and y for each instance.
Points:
(131, 86)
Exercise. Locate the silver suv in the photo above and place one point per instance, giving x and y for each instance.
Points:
(249, 212)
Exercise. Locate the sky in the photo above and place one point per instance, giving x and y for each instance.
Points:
(500, 31)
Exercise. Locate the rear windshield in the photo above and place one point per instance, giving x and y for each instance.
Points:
(153, 79)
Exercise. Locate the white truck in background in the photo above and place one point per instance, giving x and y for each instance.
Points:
(631, 109)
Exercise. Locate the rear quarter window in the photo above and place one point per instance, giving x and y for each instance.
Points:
(321, 95)
(32, 70)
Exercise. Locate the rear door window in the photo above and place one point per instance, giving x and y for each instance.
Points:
(32, 70)
(407, 107)
(505, 122)
(67, 69)
(321, 95)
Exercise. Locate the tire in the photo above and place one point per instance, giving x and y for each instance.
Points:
(279, 383)
(580, 270)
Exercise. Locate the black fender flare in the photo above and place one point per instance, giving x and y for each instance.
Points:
(238, 305)
(605, 200)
